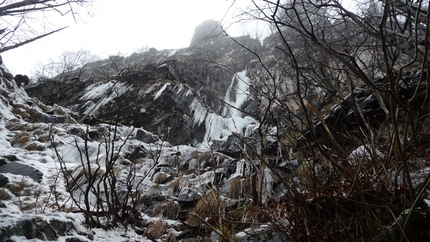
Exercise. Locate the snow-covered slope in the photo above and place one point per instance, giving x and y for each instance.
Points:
(46, 157)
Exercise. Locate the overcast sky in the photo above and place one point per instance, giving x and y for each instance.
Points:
(122, 27)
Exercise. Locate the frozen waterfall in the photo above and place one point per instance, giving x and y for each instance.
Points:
(232, 120)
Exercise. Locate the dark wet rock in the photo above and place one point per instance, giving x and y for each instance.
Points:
(37, 228)
(79, 132)
(74, 239)
(285, 167)
(11, 157)
(188, 196)
(61, 228)
(59, 92)
(21, 169)
(146, 137)
(234, 145)
(87, 235)
(139, 231)
(151, 199)
(53, 119)
(2, 205)
(344, 118)
(3, 180)
(136, 151)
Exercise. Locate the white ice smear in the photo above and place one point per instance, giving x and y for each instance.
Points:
(158, 94)
(106, 92)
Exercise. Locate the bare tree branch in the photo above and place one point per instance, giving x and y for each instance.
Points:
(29, 40)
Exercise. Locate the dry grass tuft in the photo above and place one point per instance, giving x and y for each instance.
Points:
(21, 139)
(27, 206)
(235, 189)
(20, 112)
(22, 188)
(176, 185)
(160, 178)
(209, 205)
(255, 216)
(35, 115)
(201, 156)
(247, 186)
(4, 195)
(16, 124)
(170, 237)
(156, 230)
(168, 210)
(35, 146)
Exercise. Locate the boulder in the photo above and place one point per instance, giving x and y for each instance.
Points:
(145, 136)
(37, 228)
(53, 119)
(235, 145)
(3, 181)
(21, 169)
(188, 196)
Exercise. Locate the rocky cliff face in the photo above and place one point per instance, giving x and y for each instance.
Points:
(179, 95)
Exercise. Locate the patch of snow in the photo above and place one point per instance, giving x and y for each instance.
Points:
(5, 112)
(364, 153)
(4, 143)
(73, 154)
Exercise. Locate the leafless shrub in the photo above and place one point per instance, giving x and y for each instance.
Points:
(95, 189)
